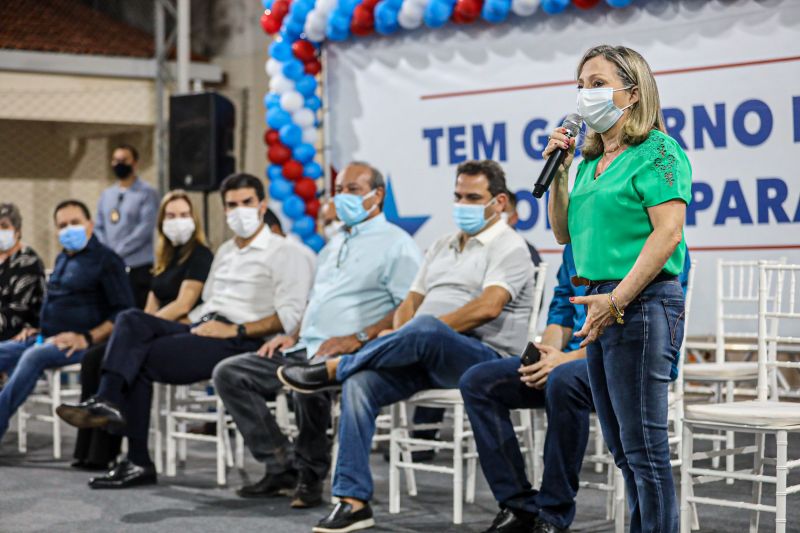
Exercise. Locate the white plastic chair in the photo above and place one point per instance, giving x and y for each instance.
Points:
(51, 394)
(766, 415)
(462, 443)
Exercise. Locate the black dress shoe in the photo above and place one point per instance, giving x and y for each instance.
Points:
(80, 464)
(270, 486)
(93, 413)
(508, 522)
(307, 494)
(540, 526)
(307, 379)
(124, 475)
(342, 519)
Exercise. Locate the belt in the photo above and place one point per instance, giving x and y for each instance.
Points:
(662, 276)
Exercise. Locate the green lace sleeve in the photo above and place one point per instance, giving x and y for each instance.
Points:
(665, 173)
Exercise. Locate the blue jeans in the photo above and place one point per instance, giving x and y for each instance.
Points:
(629, 370)
(28, 360)
(491, 390)
(423, 354)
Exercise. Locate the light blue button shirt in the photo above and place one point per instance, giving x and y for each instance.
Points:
(131, 237)
(361, 276)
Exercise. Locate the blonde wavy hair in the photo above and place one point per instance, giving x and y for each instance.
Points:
(165, 250)
(645, 115)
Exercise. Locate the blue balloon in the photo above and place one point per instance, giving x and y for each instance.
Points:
(291, 135)
(300, 10)
(304, 226)
(386, 19)
(312, 170)
(280, 50)
(495, 10)
(294, 28)
(315, 242)
(267, 4)
(437, 13)
(294, 207)
(280, 189)
(348, 6)
(314, 103)
(293, 69)
(272, 100)
(275, 172)
(278, 118)
(306, 85)
(553, 7)
(619, 3)
(394, 4)
(304, 153)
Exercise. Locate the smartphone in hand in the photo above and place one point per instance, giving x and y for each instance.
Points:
(531, 355)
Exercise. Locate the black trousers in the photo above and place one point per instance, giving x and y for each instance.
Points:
(140, 278)
(244, 383)
(144, 349)
(95, 446)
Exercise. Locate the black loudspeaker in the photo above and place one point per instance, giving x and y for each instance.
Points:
(200, 141)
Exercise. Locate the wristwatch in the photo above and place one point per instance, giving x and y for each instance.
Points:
(88, 336)
(362, 337)
(241, 331)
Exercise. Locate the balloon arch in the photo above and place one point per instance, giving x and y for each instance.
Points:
(300, 27)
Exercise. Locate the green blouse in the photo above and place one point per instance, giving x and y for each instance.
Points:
(608, 221)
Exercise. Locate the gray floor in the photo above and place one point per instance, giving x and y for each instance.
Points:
(38, 493)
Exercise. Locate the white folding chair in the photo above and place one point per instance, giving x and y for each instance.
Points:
(778, 322)
(462, 442)
(50, 393)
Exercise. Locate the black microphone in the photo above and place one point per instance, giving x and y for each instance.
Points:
(573, 125)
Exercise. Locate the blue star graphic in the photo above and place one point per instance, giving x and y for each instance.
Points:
(410, 224)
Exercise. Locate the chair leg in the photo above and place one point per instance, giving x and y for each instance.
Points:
(239, 450)
(458, 464)
(22, 429)
(155, 417)
(599, 445)
(687, 446)
(171, 448)
(394, 470)
(472, 464)
(538, 445)
(55, 401)
(411, 476)
(619, 501)
(729, 436)
(758, 469)
(222, 445)
(610, 509)
(781, 470)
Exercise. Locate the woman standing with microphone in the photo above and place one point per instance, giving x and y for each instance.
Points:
(625, 219)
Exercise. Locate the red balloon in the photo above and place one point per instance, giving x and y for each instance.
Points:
(313, 67)
(312, 208)
(304, 51)
(585, 4)
(279, 154)
(306, 189)
(293, 170)
(370, 4)
(271, 137)
(467, 11)
(270, 24)
(363, 21)
(279, 9)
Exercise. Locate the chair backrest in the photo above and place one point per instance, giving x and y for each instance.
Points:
(687, 308)
(538, 290)
(778, 324)
(737, 302)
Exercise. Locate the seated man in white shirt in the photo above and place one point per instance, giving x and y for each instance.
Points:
(363, 274)
(257, 287)
(470, 303)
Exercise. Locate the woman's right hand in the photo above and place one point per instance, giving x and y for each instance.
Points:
(559, 139)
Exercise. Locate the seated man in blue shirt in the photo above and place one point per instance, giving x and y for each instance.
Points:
(363, 274)
(85, 292)
(559, 382)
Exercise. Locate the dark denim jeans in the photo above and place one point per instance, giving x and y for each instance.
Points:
(491, 390)
(423, 354)
(629, 371)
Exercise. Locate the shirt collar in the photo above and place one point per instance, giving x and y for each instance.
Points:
(484, 238)
(367, 225)
(262, 240)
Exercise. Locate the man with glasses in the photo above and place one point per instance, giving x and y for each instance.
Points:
(470, 303)
(363, 274)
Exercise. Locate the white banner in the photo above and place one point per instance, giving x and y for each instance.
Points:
(417, 104)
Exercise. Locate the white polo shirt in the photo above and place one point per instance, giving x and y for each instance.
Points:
(270, 275)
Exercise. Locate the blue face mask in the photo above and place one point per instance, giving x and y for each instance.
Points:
(73, 238)
(350, 208)
(469, 218)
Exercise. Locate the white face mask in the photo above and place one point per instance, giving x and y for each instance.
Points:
(331, 230)
(178, 230)
(597, 107)
(244, 221)
(8, 239)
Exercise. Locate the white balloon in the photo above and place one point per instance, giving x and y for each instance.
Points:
(420, 3)
(280, 84)
(408, 20)
(273, 67)
(303, 118)
(310, 135)
(315, 35)
(292, 101)
(524, 8)
(414, 11)
(326, 6)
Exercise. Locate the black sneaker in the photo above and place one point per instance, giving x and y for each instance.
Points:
(540, 526)
(307, 494)
(270, 486)
(342, 519)
(507, 521)
(307, 379)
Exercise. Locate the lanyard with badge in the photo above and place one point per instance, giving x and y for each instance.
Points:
(115, 215)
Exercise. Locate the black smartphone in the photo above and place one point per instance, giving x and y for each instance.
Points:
(531, 355)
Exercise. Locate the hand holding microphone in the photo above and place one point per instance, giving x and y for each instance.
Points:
(559, 152)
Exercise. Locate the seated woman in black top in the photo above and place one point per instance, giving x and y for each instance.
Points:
(181, 266)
